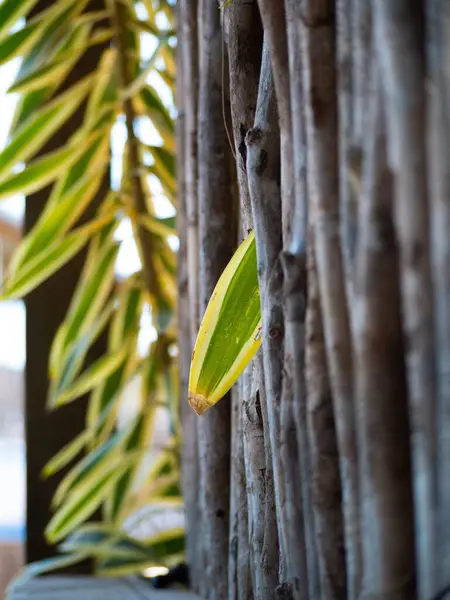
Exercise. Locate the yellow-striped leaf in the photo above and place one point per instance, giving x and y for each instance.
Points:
(40, 126)
(127, 317)
(64, 368)
(230, 332)
(49, 261)
(19, 42)
(11, 11)
(139, 438)
(149, 102)
(42, 171)
(104, 457)
(84, 500)
(39, 78)
(66, 454)
(166, 547)
(162, 227)
(101, 540)
(88, 380)
(56, 35)
(56, 220)
(44, 566)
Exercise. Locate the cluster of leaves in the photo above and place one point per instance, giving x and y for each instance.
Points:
(108, 476)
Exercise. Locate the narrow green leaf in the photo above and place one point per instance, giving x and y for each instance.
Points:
(57, 219)
(49, 261)
(56, 36)
(66, 454)
(84, 501)
(96, 373)
(104, 401)
(101, 540)
(105, 89)
(88, 469)
(230, 332)
(42, 171)
(19, 42)
(93, 288)
(161, 227)
(138, 439)
(141, 80)
(163, 548)
(127, 317)
(66, 361)
(39, 78)
(39, 128)
(11, 11)
(40, 567)
(159, 116)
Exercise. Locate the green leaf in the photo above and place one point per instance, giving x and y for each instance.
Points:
(93, 289)
(164, 167)
(41, 126)
(11, 11)
(127, 318)
(96, 373)
(141, 80)
(66, 362)
(39, 78)
(40, 567)
(66, 454)
(164, 548)
(105, 91)
(230, 332)
(89, 468)
(159, 116)
(84, 500)
(161, 227)
(138, 439)
(19, 42)
(104, 400)
(42, 171)
(102, 541)
(49, 261)
(57, 219)
(56, 35)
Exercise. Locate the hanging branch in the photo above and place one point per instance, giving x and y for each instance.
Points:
(144, 239)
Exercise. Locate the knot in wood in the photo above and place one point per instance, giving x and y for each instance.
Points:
(253, 136)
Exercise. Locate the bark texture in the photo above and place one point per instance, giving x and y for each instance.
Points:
(217, 234)
(399, 37)
(340, 444)
(318, 39)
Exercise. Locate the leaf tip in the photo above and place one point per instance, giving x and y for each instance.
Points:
(198, 403)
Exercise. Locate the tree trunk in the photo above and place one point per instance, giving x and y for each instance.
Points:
(339, 432)
(217, 235)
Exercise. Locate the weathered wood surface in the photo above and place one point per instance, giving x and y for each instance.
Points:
(90, 588)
